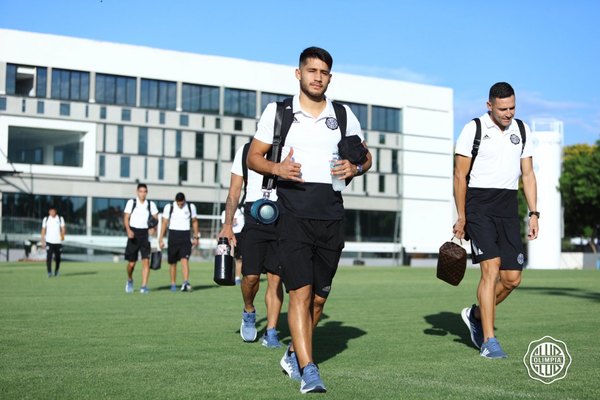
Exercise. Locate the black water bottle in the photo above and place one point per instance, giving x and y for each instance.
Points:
(224, 265)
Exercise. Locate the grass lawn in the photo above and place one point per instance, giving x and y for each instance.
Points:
(387, 333)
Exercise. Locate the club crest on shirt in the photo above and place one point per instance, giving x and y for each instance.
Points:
(331, 123)
(514, 139)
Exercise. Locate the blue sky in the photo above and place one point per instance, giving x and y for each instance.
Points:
(548, 50)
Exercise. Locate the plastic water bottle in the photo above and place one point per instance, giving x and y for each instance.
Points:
(338, 184)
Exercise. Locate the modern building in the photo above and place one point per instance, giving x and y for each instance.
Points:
(81, 121)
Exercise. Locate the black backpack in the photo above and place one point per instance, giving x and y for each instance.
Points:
(284, 117)
(477, 141)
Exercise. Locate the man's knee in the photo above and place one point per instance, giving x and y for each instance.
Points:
(251, 280)
(510, 282)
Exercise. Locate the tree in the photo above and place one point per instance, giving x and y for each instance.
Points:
(580, 190)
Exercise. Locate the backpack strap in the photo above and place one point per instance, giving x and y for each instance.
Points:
(284, 117)
(134, 204)
(523, 134)
(476, 143)
(341, 116)
(245, 172)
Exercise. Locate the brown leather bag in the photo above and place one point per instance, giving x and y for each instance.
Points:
(452, 263)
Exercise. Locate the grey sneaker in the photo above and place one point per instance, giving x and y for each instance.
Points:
(248, 327)
(311, 380)
(474, 325)
(270, 339)
(289, 364)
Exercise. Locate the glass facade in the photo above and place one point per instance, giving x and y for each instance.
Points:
(200, 98)
(113, 89)
(70, 85)
(125, 167)
(266, 98)
(240, 103)
(362, 113)
(369, 226)
(385, 119)
(158, 94)
(45, 146)
(199, 145)
(143, 141)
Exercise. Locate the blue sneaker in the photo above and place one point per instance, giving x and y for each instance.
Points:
(311, 380)
(270, 339)
(473, 324)
(144, 290)
(248, 327)
(173, 288)
(289, 364)
(492, 349)
(129, 287)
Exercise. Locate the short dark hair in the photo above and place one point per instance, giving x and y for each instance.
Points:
(316, 52)
(142, 185)
(52, 207)
(180, 197)
(501, 90)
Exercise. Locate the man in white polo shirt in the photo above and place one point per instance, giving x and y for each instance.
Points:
(485, 192)
(136, 215)
(53, 234)
(179, 216)
(310, 229)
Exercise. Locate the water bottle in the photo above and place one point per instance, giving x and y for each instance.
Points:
(224, 266)
(338, 184)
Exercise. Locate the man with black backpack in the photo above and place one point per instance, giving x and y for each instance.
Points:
(310, 226)
(491, 153)
(139, 215)
(179, 216)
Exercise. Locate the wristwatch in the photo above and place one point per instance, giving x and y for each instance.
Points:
(359, 169)
(536, 213)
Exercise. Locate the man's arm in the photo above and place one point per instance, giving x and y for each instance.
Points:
(345, 169)
(63, 229)
(462, 165)
(233, 199)
(286, 169)
(43, 234)
(530, 190)
(130, 234)
(163, 228)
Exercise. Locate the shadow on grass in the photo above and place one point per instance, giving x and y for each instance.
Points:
(69, 274)
(194, 288)
(448, 323)
(563, 291)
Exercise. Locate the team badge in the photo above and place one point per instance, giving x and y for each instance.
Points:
(514, 139)
(331, 123)
(520, 258)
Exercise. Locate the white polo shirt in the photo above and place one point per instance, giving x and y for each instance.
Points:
(139, 217)
(498, 162)
(254, 189)
(53, 226)
(180, 218)
(314, 140)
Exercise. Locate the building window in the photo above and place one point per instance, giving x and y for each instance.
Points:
(126, 114)
(70, 85)
(23, 80)
(361, 111)
(161, 118)
(199, 98)
(102, 165)
(120, 139)
(87, 111)
(266, 98)
(184, 120)
(395, 161)
(382, 138)
(102, 112)
(65, 109)
(178, 144)
(158, 94)
(145, 168)
(28, 145)
(199, 145)
(217, 123)
(161, 169)
(240, 103)
(3, 103)
(143, 141)
(385, 119)
(107, 216)
(237, 125)
(113, 89)
(232, 149)
(125, 161)
(183, 170)
(40, 107)
(381, 183)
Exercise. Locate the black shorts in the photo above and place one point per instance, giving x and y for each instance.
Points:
(493, 237)
(309, 252)
(259, 246)
(237, 251)
(140, 243)
(180, 246)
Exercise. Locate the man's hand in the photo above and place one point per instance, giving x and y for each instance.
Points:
(533, 228)
(130, 234)
(288, 169)
(344, 169)
(227, 232)
(161, 244)
(459, 228)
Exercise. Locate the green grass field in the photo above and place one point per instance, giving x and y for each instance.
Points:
(387, 333)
